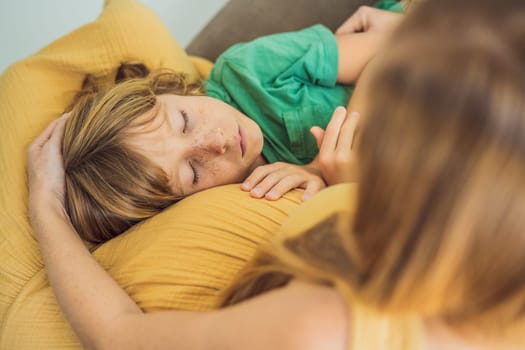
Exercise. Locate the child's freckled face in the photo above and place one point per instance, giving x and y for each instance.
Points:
(200, 142)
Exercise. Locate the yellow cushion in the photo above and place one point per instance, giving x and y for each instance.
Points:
(202, 65)
(179, 259)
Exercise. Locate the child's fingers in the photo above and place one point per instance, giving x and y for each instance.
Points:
(332, 131)
(284, 185)
(312, 188)
(272, 181)
(257, 176)
(266, 184)
(318, 134)
(347, 134)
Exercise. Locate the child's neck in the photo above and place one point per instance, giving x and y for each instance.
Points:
(259, 161)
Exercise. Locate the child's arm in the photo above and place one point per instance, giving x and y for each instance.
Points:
(360, 37)
(355, 51)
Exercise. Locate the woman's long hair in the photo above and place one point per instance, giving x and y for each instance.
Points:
(439, 226)
(110, 186)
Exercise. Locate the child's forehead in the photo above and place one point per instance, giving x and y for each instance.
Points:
(149, 120)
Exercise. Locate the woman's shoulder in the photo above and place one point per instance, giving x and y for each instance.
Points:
(298, 316)
(323, 322)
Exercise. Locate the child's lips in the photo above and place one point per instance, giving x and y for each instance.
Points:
(242, 141)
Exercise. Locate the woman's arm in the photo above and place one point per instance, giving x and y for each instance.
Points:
(299, 316)
(103, 316)
(89, 298)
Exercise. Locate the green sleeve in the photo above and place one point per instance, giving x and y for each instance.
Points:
(287, 84)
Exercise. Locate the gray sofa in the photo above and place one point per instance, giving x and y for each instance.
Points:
(243, 20)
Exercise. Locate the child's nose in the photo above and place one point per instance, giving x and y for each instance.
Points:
(213, 142)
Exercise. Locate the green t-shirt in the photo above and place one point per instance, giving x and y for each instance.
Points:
(286, 83)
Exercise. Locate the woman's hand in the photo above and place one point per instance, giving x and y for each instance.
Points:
(336, 159)
(272, 181)
(369, 19)
(45, 169)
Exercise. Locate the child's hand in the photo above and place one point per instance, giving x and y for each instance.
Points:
(272, 181)
(367, 19)
(336, 158)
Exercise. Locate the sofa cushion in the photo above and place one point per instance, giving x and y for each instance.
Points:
(240, 21)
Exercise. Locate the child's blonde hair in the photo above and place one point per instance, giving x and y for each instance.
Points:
(110, 186)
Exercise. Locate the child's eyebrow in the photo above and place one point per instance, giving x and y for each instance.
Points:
(163, 113)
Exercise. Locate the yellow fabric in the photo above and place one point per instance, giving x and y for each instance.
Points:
(202, 65)
(179, 259)
(332, 200)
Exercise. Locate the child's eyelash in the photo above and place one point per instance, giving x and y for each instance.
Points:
(195, 174)
(185, 118)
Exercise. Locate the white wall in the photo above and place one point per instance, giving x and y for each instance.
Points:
(28, 25)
